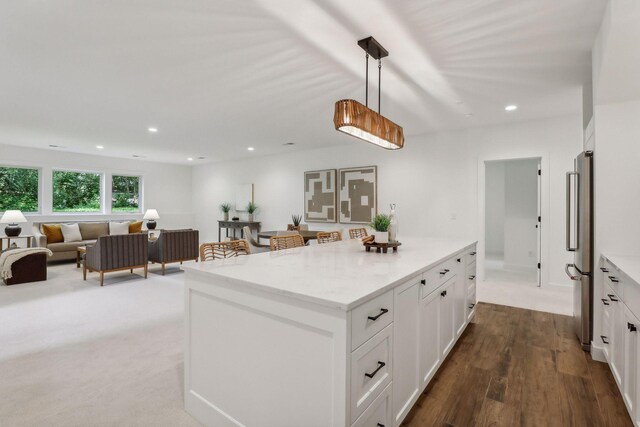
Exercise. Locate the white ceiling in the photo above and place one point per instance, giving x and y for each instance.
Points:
(218, 76)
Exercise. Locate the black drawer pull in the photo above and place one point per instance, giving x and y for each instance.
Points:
(459, 259)
(605, 301)
(423, 281)
(471, 306)
(631, 327)
(472, 254)
(372, 374)
(382, 311)
(445, 271)
(443, 293)
(613, 279)
(472, 277)
(380, 425)
(612, 297)
(604, 339)
(604, 270)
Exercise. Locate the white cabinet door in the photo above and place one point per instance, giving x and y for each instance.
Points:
(447, 331)
(629, 372)
(406, 374)
(429, 337)
(459, 301)
(618, 327)
(607, 322)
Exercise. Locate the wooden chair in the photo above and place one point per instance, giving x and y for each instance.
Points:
(278, 243)
(328, 237)
(357, 233)
(221, 250)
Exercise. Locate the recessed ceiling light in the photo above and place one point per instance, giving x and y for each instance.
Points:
(468, 115)
(250, 148)
(138, 156)
(511, 107)
(201, 158)
(289, 143)
(190, 159)
(152, 130)
(99, 147)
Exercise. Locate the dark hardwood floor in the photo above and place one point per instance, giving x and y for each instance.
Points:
(516, 367)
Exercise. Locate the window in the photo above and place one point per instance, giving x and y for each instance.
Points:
(76, 191)
(18, 189)
(125, 193)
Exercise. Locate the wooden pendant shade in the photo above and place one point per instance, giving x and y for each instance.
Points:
(353, 118)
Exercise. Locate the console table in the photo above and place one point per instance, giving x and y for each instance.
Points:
(236, 225)
(9, 239)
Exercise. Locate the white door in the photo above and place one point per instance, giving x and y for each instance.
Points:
(429, 336)
(447, 332)
(539, 226)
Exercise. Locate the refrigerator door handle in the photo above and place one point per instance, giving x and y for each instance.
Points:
(571, 276)
(569, 228)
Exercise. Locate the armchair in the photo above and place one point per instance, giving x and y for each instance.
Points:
(175, 246)
(116, 253)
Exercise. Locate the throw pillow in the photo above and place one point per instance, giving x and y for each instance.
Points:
(53, 233)
(135, 227)
(71, 232)
(118, 228)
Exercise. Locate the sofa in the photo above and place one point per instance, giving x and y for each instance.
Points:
(174, 246)
(90, 231)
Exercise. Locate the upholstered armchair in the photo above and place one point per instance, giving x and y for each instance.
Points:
(175, 246)
(116, 253)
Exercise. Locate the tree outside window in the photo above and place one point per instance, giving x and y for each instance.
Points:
(76, 191)
(19, 189)
(125, 193)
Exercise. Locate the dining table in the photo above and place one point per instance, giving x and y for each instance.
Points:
(306, 234)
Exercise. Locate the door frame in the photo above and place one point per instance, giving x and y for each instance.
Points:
(544, 190)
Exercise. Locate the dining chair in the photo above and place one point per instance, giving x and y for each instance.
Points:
(329, 236)
(221, 250)
(357, 233)
(278, 243)
(255, 246)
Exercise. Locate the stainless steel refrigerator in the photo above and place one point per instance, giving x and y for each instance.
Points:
(580, 242)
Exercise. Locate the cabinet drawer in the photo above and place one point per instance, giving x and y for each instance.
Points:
(378, 413)
(470, 274)
(631, 292)
(370, 318)
(436, 276)
(471, 256)
(471, 301)
(371, 369)
(612, 277)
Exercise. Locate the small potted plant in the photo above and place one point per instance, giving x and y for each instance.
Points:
(251, 209)
(226, 208)
(296, 220)
(380, 225)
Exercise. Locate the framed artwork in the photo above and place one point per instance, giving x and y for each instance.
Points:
(358, 189)
(244, 195)
(320, 196)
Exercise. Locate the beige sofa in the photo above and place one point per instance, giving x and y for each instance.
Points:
(89, 230)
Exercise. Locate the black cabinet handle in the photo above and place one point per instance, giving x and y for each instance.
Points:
(443, 293)
(613, 279)
(459, 259)
(604, 270)
(472, 254)
(631, 327)
(372, 374)
(605, 301)
(380, 425)
(445, 271)
(382, 311)
(604, 339)
(471, 306)
(472, 277)
(423, 281)
(612, 297)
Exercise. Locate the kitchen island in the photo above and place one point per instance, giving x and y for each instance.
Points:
(325, 335)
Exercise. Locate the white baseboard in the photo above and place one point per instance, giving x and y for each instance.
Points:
(559, 286)
(597, 353)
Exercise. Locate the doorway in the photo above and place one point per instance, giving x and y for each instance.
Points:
(513, 222)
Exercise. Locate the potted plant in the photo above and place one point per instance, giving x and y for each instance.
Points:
(251, 209)
(226, 208)
(296, 220)
(380, 225)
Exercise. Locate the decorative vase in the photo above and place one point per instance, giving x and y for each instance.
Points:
(393, 225)
(226, 216)
(250, 217)
(381, 236)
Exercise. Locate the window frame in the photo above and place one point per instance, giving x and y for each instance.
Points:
(140, 193)
(102, 191)
(40, 192)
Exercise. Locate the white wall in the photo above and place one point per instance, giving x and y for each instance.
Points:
(435, 181)
(495, 209)
(166, 187)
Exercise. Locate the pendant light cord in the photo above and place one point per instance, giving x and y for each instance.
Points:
(366, 85)
(379, 79)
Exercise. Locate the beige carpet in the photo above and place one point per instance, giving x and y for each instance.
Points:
(75, 354)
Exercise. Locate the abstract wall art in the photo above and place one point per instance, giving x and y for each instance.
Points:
(358, 189)
(320, 196)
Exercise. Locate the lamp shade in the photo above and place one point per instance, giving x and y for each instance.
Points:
(355, 119)
(12, 217)
(151, 214)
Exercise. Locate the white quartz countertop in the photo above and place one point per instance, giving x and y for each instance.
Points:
(629, 264)
(340, 275)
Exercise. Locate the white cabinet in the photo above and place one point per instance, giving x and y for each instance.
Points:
(459, 304)
(430, 356)
(406, 377)
(630, 367)
(447, 329)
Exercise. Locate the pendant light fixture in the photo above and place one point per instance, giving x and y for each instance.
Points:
(355, 119)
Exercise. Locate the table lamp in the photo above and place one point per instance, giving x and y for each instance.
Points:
(151, 215)
(13, 218)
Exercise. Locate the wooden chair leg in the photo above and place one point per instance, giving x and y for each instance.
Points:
(84, 271)
(102, 278)
(180, 262)
(131, 271)
(163, 268)
(146, 269)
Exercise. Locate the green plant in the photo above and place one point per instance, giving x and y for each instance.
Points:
(381, 222)
(296, 219)
(252, 208)
(225, 207)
